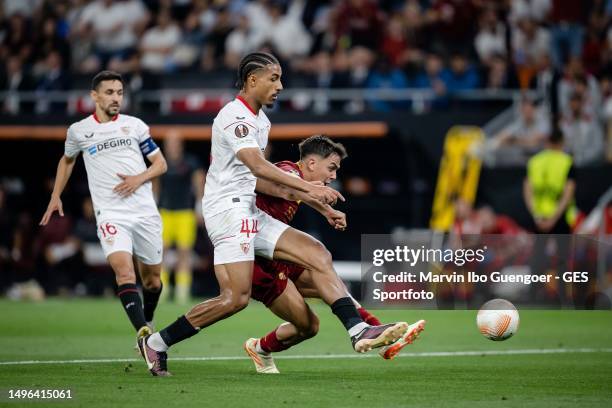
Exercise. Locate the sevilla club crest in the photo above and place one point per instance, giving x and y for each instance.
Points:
(245, 247)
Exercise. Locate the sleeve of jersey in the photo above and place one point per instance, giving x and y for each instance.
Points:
(240, 135)
(145, 141)
(289, 168)
(71, 147)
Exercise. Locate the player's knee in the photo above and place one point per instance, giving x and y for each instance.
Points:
(124, 275)
(151, 283)
(312, 329)
(322, 258)
(233, 302)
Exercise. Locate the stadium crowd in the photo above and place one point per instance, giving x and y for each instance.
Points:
(442, 45)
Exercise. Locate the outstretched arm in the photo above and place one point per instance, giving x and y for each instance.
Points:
(335, 218)
(262, 168)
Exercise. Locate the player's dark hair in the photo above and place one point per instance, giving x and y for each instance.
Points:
(322, 146)
(251, 63)
(556, 136)
(105, 76)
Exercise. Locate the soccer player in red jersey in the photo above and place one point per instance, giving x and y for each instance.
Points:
(282, 286)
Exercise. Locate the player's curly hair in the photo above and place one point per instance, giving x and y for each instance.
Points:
(322, 146)
(251, 63)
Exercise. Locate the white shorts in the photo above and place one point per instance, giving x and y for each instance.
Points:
(239, 234)
(141, 236)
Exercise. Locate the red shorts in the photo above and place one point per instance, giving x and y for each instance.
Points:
(270, 278)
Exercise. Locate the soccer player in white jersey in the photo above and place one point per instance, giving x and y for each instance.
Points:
(239, 230)
(127, 218)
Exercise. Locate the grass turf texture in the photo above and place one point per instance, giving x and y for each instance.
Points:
(98, 329)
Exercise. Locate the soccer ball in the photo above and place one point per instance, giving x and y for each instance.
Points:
(497, 319)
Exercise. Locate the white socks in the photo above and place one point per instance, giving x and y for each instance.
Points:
(157, 343)
(356, 329)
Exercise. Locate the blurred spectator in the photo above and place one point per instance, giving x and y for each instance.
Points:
(606, 85)
(52, 77)
(567, 30)
(432, 78)
(576, 80)
(214, 50)
(239, 42)
(114, 27)
(357, 23)
(500, 75)
(25, 8)
(286, 33)
(58, 249)
(258, 14)
(491, 39)
(525, 136)
(49, 40)
(414, 24)
(187, 52)
(385, 76)
(395, 43)
(452, 24)
(461, 76)
(16, 78)
(17, 39)
(592, 51)
(583, 133)
(159, 43)
(536, 10)
(529, 43)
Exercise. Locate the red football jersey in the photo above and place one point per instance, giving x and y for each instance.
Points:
(279, 208)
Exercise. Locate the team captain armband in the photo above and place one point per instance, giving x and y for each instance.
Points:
(148, 146)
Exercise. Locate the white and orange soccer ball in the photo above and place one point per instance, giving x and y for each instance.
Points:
(497, 319)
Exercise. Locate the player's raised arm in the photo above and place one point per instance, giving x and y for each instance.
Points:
(64, 170)
(262, 168)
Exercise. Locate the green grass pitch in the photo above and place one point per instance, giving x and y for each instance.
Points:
(319, 373)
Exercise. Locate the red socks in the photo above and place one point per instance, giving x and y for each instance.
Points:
(270, 344)
(368, 317)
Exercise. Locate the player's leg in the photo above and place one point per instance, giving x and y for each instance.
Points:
(185, 239)
(300, 248)
(303, 282)
(307, 288)
(117, 244)
(235, 288)
(148, 249)
(150, 276)
(127, 291)
(300, 324)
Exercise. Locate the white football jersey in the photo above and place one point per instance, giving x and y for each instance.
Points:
(111, 148)
(229, 183)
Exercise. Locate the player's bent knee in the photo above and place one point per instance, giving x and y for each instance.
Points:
(313, 328)
(232, 302)
(322, 258)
